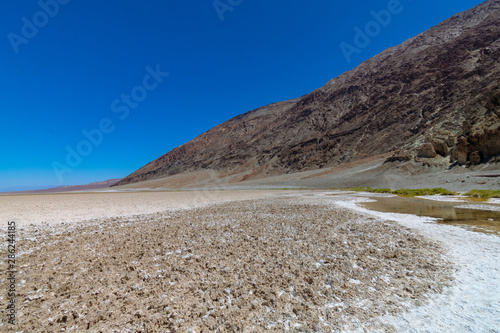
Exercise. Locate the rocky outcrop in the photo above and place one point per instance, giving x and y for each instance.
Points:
(487, 143)
(460, 152)
(431, 86)
(427, 151)
(476, 147)
(440, 147)
(399, 156)
(475, 158)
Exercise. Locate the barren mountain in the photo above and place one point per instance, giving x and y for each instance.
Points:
(71, 188)
(436, 94)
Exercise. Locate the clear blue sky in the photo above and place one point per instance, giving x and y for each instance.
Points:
(88, 54)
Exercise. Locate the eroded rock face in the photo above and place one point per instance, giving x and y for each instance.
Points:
(460, 152)
(399, 156)
(450, 141)
(487, 143)
(476, 147)
(475, 158)
(438, 82)
(427, 151)
(440, 147)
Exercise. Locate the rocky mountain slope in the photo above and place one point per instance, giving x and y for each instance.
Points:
(435, 95)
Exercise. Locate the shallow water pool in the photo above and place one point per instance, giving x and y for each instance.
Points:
(472, 219)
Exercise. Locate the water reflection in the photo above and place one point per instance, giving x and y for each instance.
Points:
(473, 219)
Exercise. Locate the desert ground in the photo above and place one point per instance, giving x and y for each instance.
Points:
(243, 261)
(82, 206)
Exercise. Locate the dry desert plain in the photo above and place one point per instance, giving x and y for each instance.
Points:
(242, 261)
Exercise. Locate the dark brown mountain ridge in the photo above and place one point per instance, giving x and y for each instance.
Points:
(437, 94)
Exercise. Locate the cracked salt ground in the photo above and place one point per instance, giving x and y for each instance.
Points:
(242, 266)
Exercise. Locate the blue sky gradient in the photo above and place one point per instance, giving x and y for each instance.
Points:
(64, 78)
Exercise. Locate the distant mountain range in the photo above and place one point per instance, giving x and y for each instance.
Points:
(25, 188)
(64, 188)
(434, 97)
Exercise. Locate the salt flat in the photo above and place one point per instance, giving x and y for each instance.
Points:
(72, 207)
(245, 261)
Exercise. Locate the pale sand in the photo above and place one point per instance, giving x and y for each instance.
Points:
(73, 207)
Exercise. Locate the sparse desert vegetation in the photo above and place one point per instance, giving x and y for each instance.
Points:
(483, 194)
(404, 191)
(480, 194)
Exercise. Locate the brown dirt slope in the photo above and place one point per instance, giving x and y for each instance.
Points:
(440, 87)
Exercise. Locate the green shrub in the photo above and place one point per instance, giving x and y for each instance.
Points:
(359, 189)
(403, 191)
(423, 191)
(483, 194)
(382, 190)
(439, 190)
